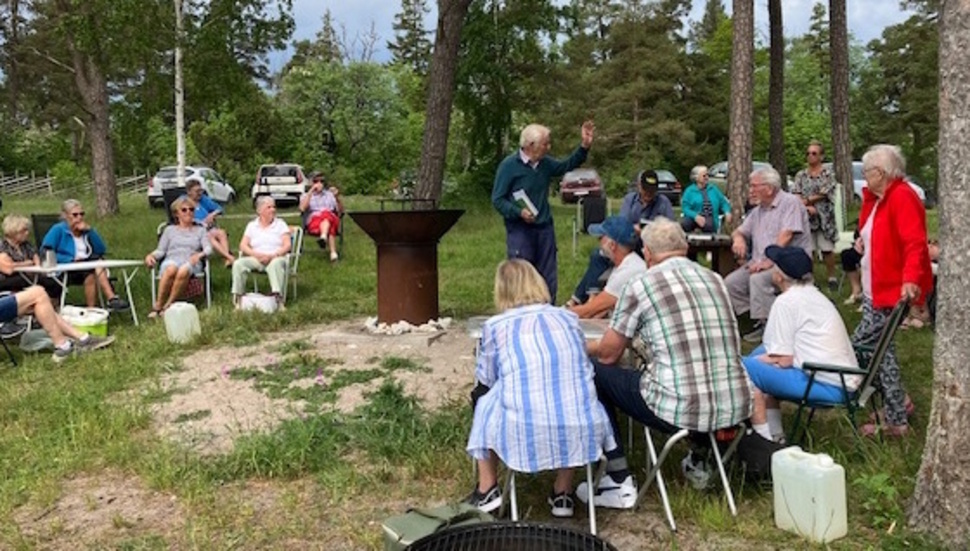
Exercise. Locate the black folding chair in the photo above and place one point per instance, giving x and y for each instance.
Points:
(870, 361)
(41, 224)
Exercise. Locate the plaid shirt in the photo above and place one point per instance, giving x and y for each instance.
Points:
(682, 314)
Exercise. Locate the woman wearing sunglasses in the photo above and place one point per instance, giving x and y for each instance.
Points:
(74, 240)
(180, 251)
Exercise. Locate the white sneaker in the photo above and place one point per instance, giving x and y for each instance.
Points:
(610, 494)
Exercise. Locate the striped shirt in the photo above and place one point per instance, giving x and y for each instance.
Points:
(681, 313)
(541, 411)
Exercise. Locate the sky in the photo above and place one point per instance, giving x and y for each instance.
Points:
(355, 18)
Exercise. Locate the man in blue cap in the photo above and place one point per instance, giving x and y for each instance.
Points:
(618, 240)
(803, 326)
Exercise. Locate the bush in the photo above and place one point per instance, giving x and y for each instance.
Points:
(68, 175)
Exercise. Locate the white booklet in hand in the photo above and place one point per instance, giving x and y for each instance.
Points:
(520, 198)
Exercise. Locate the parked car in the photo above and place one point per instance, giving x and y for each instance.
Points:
(717, 173)
(284, 182)
(859, 182)
(167, 177)
(581, 182)
(669, 185)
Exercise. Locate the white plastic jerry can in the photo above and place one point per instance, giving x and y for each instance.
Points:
(809, 492)
(182, 322)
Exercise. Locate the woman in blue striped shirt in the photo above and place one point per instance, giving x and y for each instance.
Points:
(535, 402)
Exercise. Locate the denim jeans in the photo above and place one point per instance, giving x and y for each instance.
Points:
(619, 388)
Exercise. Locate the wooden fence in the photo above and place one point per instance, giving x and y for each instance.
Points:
(16, 184)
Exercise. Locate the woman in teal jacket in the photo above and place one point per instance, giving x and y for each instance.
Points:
(702, 205)
(74, 240)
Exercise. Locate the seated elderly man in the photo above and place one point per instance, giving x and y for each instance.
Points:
(643, 204)
(618, 240)
(67, 340)
(681, 313)
(266, 245)
(206, 211)
(803, 326)
(779, 219)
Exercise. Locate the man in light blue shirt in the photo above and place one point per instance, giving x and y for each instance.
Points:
(206, 211)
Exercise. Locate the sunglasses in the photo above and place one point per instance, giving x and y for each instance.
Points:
(77, 214)
(814, 153)
(186, 209)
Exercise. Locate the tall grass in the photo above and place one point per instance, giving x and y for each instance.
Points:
(60, 420)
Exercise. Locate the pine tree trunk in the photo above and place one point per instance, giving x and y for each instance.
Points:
(776, 91)
(940, 505)
(93, 88)
(841, 144)
(441, 92)
(742, 104)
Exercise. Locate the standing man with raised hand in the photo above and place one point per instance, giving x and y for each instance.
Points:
(521, 195)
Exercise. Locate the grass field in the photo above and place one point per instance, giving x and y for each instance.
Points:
(60, 424)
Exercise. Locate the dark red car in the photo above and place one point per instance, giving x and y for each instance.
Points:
(582, 182)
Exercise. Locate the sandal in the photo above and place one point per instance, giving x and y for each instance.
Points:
(908, 404)
(914, 322)
(895, 431)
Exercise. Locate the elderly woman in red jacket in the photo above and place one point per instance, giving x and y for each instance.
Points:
(895, 265)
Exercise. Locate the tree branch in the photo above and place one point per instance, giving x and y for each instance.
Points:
(53, 60)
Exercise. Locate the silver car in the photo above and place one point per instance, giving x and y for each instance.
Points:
(214, 185)
(859, 182)
(717, 173)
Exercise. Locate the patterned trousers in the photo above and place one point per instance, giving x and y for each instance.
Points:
(888, 379)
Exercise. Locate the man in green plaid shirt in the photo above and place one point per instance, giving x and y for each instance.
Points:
(680, 312)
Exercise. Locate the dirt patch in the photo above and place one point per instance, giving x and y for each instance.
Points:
(96, 509)
(223, 393)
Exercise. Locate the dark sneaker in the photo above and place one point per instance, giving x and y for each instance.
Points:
(11, 330)
(487, 502)
(833, 284)
(756, 333)
(61, 354)
(562, 505)
(117, 304)
(92, 342)
(696, 470)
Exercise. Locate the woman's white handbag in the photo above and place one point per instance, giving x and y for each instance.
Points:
(256, 301)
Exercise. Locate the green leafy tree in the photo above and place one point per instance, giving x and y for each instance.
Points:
(898, 99)
(350, 120)
(411, 47)
(325, 47)
(501, 60)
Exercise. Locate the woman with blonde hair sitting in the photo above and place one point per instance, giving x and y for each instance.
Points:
(535, 402)
(181, 250)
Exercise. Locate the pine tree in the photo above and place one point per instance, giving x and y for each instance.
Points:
(411, 47)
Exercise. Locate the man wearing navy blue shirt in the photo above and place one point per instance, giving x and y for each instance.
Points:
(530, 235)
(641, 205)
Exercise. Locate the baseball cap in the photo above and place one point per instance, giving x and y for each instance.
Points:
(618, 229)
(315, 175)
(793, 261)
(648, 178)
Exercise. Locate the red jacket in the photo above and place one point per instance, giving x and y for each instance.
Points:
(899, 251)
